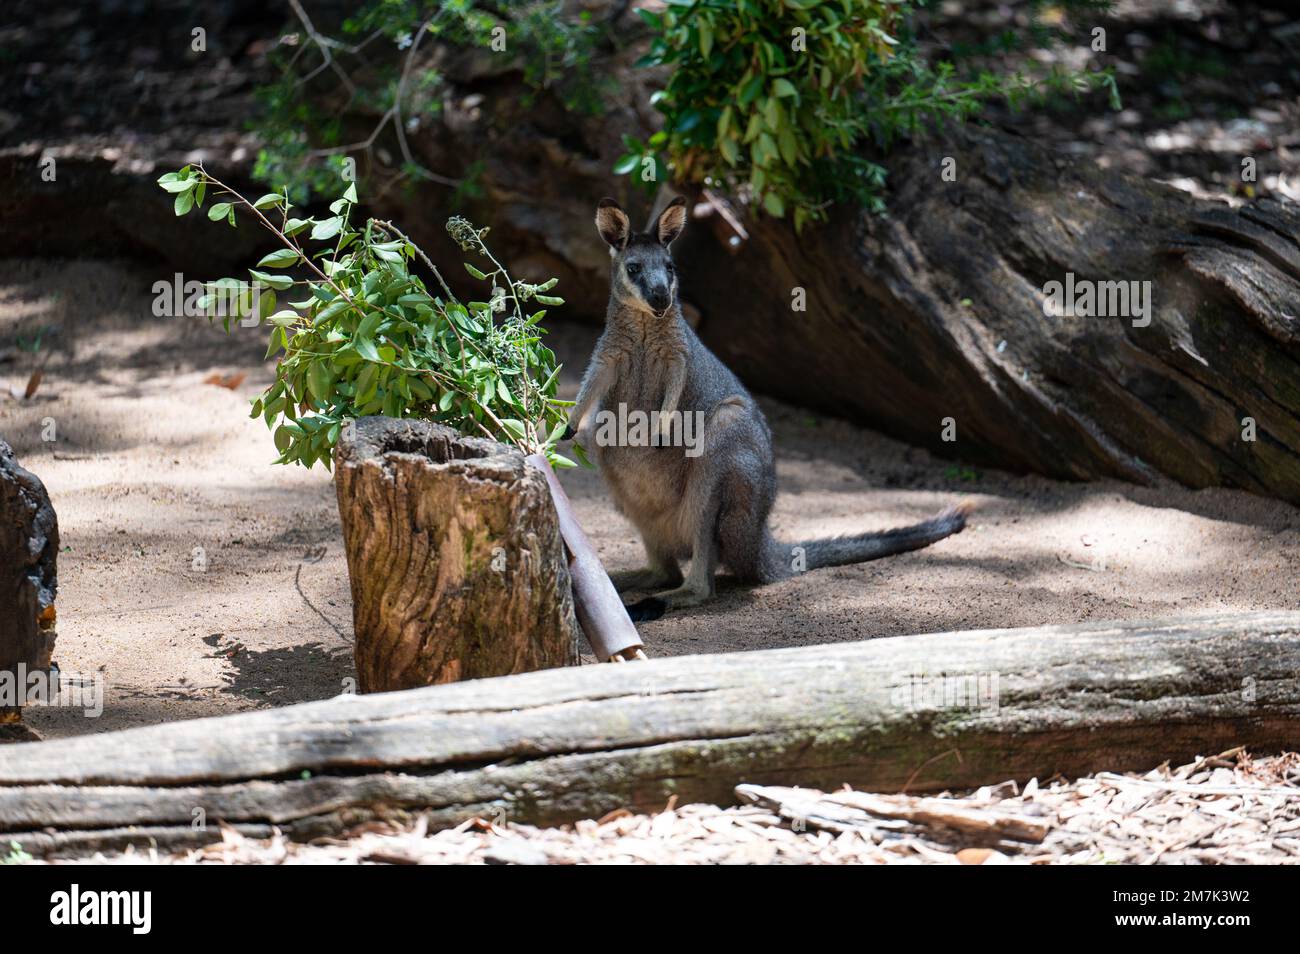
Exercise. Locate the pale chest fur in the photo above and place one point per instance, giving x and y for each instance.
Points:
(644, 363)
(647, 482)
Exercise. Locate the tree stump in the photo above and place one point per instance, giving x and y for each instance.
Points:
(29, 548)
(457, 567)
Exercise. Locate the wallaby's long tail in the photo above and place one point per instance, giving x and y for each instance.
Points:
(861, 547)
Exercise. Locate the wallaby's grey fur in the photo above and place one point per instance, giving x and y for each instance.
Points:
(713, 507)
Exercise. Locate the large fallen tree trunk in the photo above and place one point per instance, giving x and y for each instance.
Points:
(29, 549)
(920, 713)
(936, 312)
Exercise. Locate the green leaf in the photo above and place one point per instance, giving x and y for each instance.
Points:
(270, 200)
(788, 145)
(730, 152)
(772, 112)
(175, 182)
(783, 87)
(281, 258)
(332, 310)
(184, 202)
(366, 348)
(319, 382)
(278, 282)
(327, 229)
(474, 271)
(367, 384)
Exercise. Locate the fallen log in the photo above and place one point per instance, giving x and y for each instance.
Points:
(456, 563)
(936, 312)
(915, 713)
(29, 548)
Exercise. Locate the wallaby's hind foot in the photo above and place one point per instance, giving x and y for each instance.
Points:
(653, 607)
(643, 611)
(647, 578)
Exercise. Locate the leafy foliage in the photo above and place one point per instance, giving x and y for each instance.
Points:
(306, 138)
(15, 856)
(780, 98)
(365, 336)
(787, 102)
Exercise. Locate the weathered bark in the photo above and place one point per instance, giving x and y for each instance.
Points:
(29, 548)
(937, 311)
(553, 746)
(454, 554)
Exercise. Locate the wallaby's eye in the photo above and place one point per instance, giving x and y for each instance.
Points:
(633, 268)
(671, 267)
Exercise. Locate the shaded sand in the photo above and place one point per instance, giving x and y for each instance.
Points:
(153, 468)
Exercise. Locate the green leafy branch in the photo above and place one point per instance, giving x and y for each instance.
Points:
(380, 66)
(367, 337)
(786, 101)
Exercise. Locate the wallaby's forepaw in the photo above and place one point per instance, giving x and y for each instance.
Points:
(650, 608)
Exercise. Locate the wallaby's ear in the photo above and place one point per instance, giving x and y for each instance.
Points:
(671, 221)
(612, 223)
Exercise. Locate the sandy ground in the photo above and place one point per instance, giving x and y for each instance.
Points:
(200, 580)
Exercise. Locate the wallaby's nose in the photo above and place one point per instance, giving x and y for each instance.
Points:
(659, 299)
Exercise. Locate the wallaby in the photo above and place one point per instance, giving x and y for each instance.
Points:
(710, 502)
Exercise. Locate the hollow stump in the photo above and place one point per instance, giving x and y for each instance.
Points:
(457, 567)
